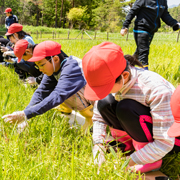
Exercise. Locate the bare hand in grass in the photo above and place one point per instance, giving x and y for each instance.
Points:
(15, 117)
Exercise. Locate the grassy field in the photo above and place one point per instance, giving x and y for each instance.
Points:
(49, 149)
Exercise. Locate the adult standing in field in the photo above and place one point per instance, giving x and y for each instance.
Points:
(10, 18)
(137, 111)
(148, 14)
(63, 82)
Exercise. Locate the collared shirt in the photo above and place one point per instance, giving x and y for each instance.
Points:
(151, 90)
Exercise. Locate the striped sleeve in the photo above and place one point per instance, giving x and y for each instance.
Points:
(159, 100)
(16, 19)
(99, 126)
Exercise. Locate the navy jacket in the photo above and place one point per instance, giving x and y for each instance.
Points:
(10, 20)
(148, 14)
(53, 92)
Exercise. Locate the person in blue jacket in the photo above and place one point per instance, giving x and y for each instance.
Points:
(63, 82)
(10, 18)
(148, 14)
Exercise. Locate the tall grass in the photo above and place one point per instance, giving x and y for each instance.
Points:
(49, 149)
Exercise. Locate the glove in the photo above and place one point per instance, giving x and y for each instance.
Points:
(31, 80)
(176, 27)
(4, 49)
(100, 158)
(8, 53)
(21, 126)
(124, 31)
(15, 117)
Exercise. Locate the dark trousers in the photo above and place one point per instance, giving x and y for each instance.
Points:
(143, 41)
(29, 68)
(130, 116)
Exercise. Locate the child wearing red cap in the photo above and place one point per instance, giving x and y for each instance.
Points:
(24, 50)
(63, 82)
(10, 18)
(23, 68)
(133, 102)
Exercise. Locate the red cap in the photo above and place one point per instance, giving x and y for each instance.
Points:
(174, 130)
(8, 10)
(14, 28)
(20, 48)
(44, 49)
(102, 65)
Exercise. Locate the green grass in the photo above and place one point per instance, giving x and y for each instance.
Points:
(49, 149)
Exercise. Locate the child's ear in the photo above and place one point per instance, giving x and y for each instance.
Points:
(126, 74)
(27, 51)
(56, 58)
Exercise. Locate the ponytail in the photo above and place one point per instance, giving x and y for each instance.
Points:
(132, 60)
(22, 34)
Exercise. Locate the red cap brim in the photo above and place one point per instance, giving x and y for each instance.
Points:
(98, 92)
(7, 34)
(34, 59)
(19, 59)
(174, 130)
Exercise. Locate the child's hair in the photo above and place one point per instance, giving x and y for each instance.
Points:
(132, 61)
(22, 34)
(61, 57)
(30, 46)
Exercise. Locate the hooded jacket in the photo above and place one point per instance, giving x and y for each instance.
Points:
(148, 14)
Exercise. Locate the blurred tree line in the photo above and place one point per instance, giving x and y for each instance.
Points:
(104, 15)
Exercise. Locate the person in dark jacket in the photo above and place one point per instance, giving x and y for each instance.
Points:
(148, 14)
(10, 18)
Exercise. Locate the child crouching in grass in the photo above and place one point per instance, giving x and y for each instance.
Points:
(133, 102)
(63, 82)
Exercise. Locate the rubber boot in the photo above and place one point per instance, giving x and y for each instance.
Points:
(64, 109)
(123, 137)
(87, 113)
(147, 167)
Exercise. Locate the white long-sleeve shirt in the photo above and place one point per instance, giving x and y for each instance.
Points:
(151, 90)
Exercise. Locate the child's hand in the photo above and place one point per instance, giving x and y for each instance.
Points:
(131, 163)
(4, 49)
(124, 31)
(31, 80)
(98, 154)
(18, 116)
